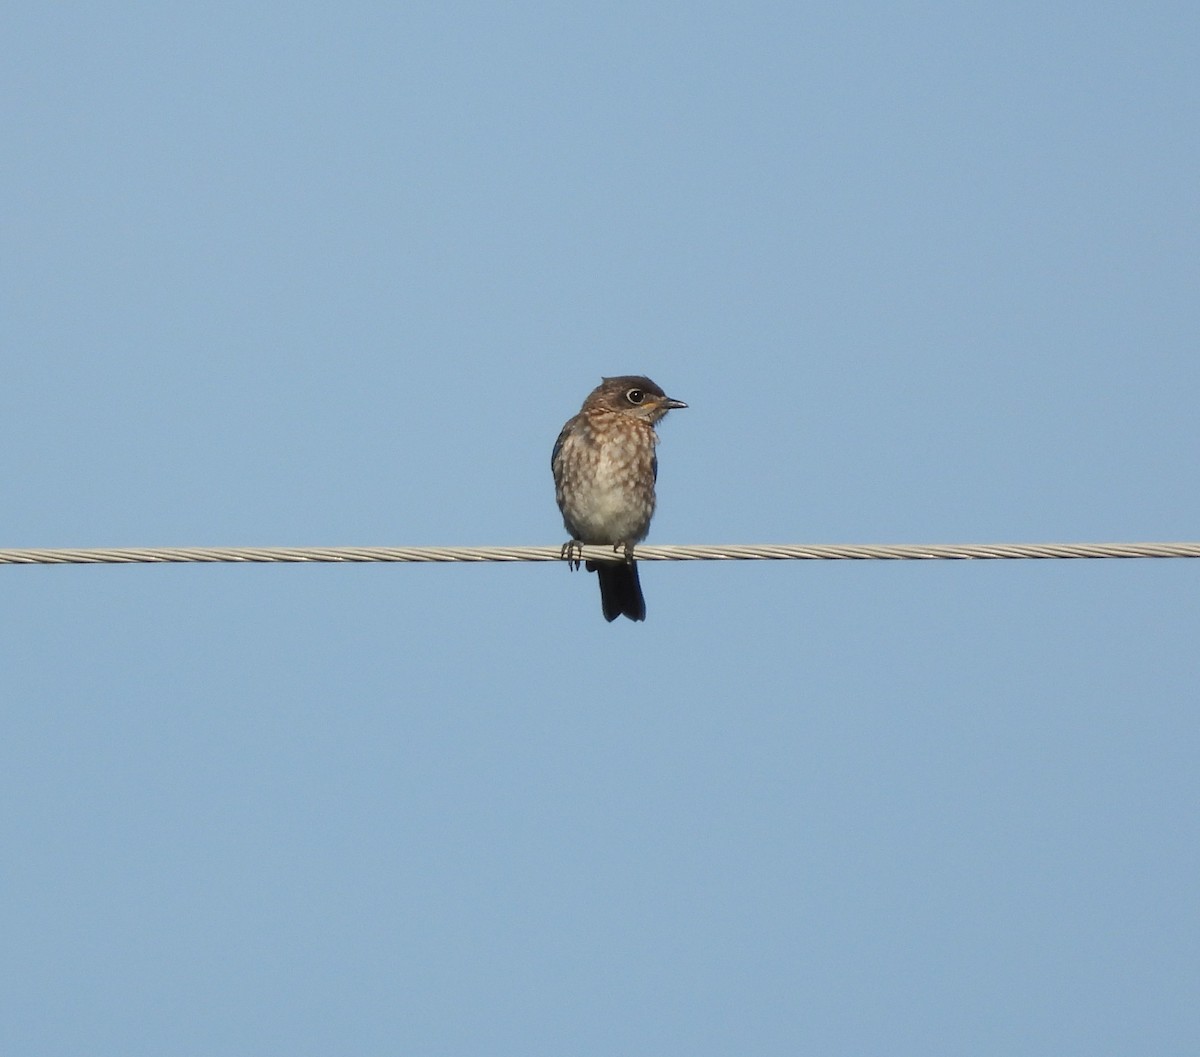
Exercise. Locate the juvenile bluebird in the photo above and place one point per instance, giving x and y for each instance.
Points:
(604, 472)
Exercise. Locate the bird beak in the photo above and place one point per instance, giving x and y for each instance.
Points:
(671, 404)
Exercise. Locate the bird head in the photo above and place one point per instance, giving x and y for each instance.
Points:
(633, 395)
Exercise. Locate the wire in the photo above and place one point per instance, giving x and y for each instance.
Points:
(735, 552)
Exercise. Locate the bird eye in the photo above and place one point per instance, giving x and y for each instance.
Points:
(635, 396)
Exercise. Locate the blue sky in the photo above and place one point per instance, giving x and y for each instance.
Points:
(289, 274)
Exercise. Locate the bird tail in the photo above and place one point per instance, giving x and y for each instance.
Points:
(620, 590)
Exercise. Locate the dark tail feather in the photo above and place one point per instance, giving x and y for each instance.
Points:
(620, 590)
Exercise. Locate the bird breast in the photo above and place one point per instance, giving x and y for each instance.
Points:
(606, 491)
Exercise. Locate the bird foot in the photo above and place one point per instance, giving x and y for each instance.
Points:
(627, 548)
(572, 552)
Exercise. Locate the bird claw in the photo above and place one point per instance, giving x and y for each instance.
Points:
(628, 549)
(572, 552)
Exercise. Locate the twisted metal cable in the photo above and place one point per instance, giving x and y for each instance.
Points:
(703, 552)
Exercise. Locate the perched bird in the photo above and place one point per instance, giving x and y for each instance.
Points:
(604, 472)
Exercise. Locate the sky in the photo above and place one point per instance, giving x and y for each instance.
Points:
(297, 274)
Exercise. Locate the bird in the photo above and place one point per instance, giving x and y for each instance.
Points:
(605, 469)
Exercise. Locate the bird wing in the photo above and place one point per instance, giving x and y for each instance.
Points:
(558, 446)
